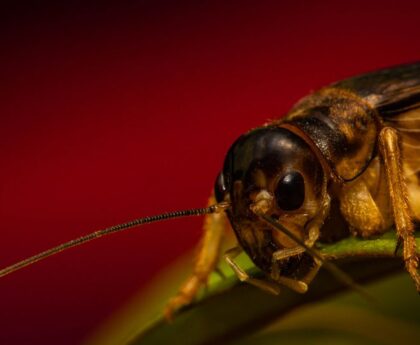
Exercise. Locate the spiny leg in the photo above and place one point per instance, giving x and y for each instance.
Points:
(205, 261)
(391, 154)
(230, 255)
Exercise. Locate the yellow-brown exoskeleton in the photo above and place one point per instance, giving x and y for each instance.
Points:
(354, 144)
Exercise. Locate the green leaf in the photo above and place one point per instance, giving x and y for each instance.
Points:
(233, 312)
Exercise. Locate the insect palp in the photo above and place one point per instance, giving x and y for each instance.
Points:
(262, 202)
(332, 268)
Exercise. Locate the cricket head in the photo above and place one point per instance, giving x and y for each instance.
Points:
(270, 171)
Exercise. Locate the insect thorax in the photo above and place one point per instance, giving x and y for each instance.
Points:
(343, 127)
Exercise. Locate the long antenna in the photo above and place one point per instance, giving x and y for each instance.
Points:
(116, 228)
(334, 269)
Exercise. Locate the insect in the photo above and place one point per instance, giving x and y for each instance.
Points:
(347, 151)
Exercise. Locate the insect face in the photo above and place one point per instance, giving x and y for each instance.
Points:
(273, 171)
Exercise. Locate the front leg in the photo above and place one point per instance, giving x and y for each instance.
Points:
(391, 154)
(205, 261)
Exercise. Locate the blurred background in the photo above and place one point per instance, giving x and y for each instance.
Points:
(114, 110)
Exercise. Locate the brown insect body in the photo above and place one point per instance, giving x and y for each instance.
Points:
(355, 144)
(344, 122)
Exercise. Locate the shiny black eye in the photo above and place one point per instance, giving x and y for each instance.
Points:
(290, 191)
(220, 187)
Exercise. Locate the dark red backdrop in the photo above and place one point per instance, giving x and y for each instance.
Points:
(110, 112)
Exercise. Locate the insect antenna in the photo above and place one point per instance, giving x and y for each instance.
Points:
(116, 228)
(332, 268)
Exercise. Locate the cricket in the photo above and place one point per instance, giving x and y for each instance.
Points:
(354, 144)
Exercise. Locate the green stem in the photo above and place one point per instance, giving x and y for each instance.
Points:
(380, 247)
(230, 309)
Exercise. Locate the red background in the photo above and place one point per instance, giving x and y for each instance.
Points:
(114, 111)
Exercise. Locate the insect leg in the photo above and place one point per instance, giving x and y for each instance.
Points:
(244, 277)
(365, 204)
(205, 261)
(390, 151)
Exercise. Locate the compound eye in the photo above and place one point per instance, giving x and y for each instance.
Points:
(290, 191)
(220, 187)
